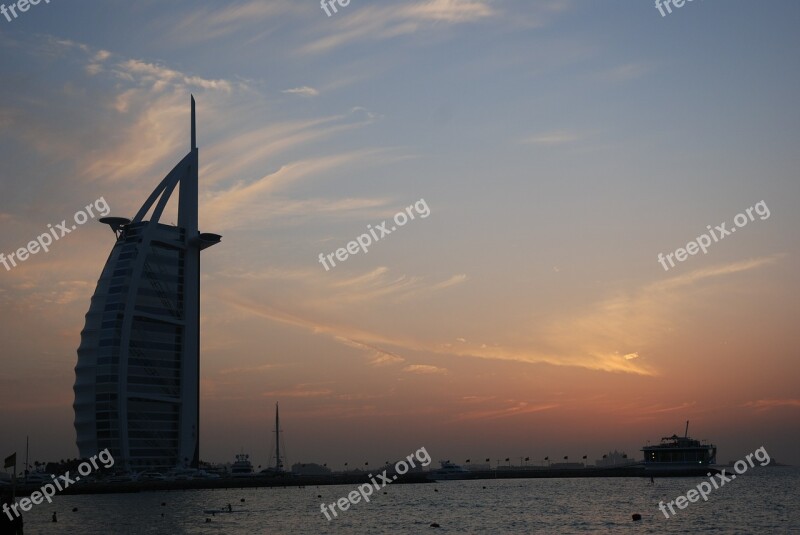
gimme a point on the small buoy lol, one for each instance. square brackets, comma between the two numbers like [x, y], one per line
[74, 509]
[163, 504]
[435, 525]
[636, 516]
[385, 492]
[484, 487]
[242, 500]
[435, 490]
[319, 495]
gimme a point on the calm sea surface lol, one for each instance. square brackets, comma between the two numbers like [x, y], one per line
[764, 500]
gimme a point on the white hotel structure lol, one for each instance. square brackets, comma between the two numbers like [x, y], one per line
[137, 377]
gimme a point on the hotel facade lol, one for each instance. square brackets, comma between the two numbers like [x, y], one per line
[137, 377]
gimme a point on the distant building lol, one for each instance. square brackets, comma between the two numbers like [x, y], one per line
[310, 469]
[614, 458]
[137, 388]
[570, 466]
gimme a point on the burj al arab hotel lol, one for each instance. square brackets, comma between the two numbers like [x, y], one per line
[137, 388]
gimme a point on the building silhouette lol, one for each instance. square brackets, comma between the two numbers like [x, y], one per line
[137, 377]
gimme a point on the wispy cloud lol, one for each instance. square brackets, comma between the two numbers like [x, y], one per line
[202, 24]
[375, 22]
[514, 409]
[355, 337]
[642, 410]
[552, 138]
[766, 404]
[248, 369]
[159, 76]
[425, 369]
[452, 11]
[379, 357]
[613, 334]
[257, 147]
[146, 114]
[257, 201]
[380, 285]
[305, 91]
[150, 108]
[299, 391]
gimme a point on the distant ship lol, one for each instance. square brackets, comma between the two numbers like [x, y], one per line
[679, 453]
[242, 467]
[449, 471]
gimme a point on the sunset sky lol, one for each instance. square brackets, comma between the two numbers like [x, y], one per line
[560, 146]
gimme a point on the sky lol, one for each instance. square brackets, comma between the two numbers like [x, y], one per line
[560, 146]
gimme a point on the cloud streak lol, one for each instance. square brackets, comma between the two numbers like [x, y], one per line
[767, 404]
[376, 22]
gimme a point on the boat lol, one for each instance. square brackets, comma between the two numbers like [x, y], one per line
[679, 453]
[122, 477]
[36, 478]
[182, 474]
[449, 470]
[152, 475]
[242, 467]
[204, 474]
[277, 469]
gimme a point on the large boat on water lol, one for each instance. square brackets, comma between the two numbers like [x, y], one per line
[679, 453]
[242, 467]
[449, 471]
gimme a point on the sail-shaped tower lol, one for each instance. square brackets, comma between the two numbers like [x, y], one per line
[137, 388]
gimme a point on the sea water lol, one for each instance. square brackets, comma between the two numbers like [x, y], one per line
[760, 501]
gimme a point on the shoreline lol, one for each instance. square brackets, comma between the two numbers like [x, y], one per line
[356, 479]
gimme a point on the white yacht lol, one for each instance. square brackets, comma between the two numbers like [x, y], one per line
[449, 471]
[678, 453]
[242, 467]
